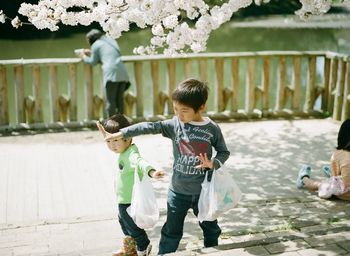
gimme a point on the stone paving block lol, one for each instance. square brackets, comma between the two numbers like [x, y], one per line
[287, 246]
[52, 254]
[289, 254]
[250, 237]
[19, 230]
[6, 238]
[329, 229]
[62, 246]
[345, 245]
[286, 211]
[285, 233]
[323, 240]
[300, 223]
[274, 221]
[225, 240]
[52, 227]
[6, 252]
[344, 223]
[249, 243]
[183, 253]
[315, 229]
[30, 249]
[255, 250]
[329, 250]
[14, 243]
[309, 198]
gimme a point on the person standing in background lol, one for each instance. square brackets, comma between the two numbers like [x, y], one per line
[105, 50]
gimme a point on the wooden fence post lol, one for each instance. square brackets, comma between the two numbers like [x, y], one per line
[311, 85]
[19, 83]
[346, 101]
[339, 93]
[53, 89]
[203, 69]
[139, 88]
[326, 80]
[155, 81]
[187, 68]
[281, 84]
[219, 70]
[234, 83]
[171, 74]
[38, 114]
[88, 82]
[72, 84]
[4, 108]
[250, 86]
[296, 83]
[333, 83]
[266, 84]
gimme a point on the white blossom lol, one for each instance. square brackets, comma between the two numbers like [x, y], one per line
[313, 7]
[169, 19]
[16, 23]
[259, 2]
[158, 30]
[170, 22]
[197, 47]
[2, 17]
[157, 41]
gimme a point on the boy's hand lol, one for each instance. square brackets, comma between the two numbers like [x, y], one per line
[156, 174]
[107, 135]
[101, 129]
[205, 162]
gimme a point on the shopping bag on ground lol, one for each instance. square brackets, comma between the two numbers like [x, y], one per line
[143, 209]
[218, 195]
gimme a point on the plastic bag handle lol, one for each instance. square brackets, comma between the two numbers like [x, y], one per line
[220, 164]
[137, 176]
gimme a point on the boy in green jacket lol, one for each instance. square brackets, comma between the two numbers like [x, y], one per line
[129, 159]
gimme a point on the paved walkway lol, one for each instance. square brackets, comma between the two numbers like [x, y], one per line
[56, 193]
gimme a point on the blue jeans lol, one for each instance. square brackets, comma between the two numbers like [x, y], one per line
[172, 230]
[129, 228]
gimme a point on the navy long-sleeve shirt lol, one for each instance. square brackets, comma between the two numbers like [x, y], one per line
[189, 140]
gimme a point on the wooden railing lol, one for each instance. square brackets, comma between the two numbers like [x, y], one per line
[243, 85]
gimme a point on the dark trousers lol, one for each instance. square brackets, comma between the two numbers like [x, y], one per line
[172, 230]
[129, 228]
[115, 97]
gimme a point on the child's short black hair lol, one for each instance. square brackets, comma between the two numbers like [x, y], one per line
[344, 136]
[192, 93]
[115, 123]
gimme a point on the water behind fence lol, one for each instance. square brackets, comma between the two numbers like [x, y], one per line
[57, 93]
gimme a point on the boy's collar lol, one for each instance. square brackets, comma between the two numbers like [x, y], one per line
[206, 120]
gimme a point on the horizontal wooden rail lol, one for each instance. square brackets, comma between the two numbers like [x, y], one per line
[44, 93]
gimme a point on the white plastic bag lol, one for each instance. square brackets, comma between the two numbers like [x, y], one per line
[218, 195]
[143, 209]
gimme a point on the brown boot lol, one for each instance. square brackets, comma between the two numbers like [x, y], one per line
[129, 248]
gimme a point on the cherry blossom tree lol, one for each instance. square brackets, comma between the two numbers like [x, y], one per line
[177, 26]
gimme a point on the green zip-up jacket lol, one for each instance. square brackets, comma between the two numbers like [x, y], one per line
[128, 161]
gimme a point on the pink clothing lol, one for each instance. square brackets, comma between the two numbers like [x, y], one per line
[340, 162]
[334, 185]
